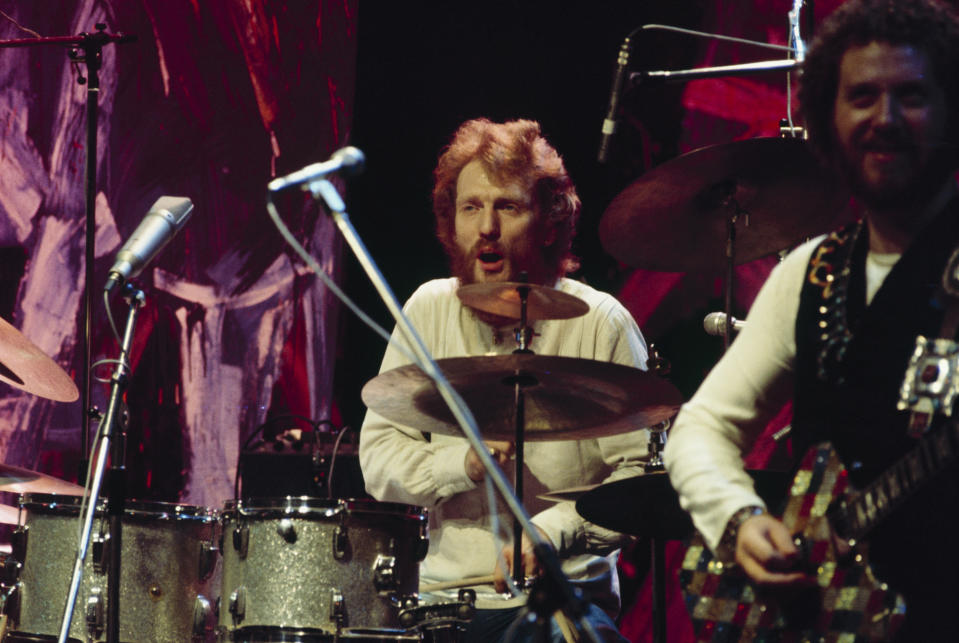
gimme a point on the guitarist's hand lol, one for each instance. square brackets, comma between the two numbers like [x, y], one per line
[765, 551]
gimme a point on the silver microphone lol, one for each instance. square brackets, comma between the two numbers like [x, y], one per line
[160, 224]
[347, 160]
[715, 324]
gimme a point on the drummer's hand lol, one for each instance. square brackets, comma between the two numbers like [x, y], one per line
[531, 565]
[501, 452]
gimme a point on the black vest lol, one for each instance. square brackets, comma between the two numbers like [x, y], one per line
[850, 362]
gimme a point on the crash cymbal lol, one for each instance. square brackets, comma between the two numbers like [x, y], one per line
[24, 366]
[674, 217]
[566, 398]
[647, 505]
[503, 299]
[20, 480]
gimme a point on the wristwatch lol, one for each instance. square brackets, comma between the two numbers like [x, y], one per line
[726, 550]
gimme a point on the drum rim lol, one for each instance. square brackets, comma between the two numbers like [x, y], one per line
[294, 506]
[55, 503]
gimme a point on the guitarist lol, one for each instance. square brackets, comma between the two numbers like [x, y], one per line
[835, 325]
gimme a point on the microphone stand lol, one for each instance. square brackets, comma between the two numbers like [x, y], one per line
[552, 592]
[113, 443]
[91, 45]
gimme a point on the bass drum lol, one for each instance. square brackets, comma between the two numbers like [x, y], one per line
[168, 559]
[310, 568]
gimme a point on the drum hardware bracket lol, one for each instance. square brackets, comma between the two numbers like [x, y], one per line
[207, 560]
[94, 612]
[18, 542]
[337, 609]
[201, 615]
[100, 551]
[238, 604]
[384, 574]
[340, 542]
[10, 600]
[241, 540]
[287, 530]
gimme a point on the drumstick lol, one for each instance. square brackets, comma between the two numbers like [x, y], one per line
[456, 584]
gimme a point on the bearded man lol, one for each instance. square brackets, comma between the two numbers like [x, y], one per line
[504, 205]
[835, 325]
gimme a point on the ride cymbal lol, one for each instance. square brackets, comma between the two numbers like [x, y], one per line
[24, 366]
[566, 398]
[675, 217]
[503, 299]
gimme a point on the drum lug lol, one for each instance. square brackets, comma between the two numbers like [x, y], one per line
[238, 604]
[340, 542]
[202, 612]
[18, 542]
[241, 540]
[10, 601]
[337, 608]
[100, 550]
[94, 612]
[286, 530]
[384, 574]
[208, 554]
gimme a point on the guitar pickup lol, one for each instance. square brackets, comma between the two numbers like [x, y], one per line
[931, 382]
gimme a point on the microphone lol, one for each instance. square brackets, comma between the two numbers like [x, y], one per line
[619, 80]
[164, 220]
[715, 324]
[347, 160]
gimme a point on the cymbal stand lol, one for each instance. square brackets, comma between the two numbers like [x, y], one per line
[730, 203]
[562, 595]
[113, 442]
[91, 45]
[524, 334]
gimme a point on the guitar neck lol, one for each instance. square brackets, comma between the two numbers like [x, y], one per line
[858, 513]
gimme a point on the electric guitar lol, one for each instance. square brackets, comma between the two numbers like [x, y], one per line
[847, 602]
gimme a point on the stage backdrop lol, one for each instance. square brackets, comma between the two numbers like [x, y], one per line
[211, 101]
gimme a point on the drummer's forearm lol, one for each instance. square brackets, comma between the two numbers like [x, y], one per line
[399, 468]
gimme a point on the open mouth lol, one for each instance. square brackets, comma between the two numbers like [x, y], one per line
[490, 260]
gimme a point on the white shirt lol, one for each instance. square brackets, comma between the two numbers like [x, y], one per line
[739, 397]
[399, 465]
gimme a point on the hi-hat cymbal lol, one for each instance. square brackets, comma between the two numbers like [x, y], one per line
[647, 505]
[503, 298]
[20, 480]
[566, 398]
[24, 366]
[675, 216]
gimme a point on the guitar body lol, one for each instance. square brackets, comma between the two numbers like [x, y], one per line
[847, 604]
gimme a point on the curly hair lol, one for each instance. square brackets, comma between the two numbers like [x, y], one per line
[928, 25]
[510, 151]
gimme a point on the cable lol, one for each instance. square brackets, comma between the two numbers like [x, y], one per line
[318, 270]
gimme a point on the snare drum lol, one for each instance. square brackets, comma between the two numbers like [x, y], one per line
[309, 568]
[168, 558]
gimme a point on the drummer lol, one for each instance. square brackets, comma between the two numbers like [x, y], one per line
[504, 205]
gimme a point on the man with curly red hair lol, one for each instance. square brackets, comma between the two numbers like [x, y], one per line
[505, 206]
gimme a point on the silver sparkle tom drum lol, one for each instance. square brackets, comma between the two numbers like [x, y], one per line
[317, 566]
[168, 557]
